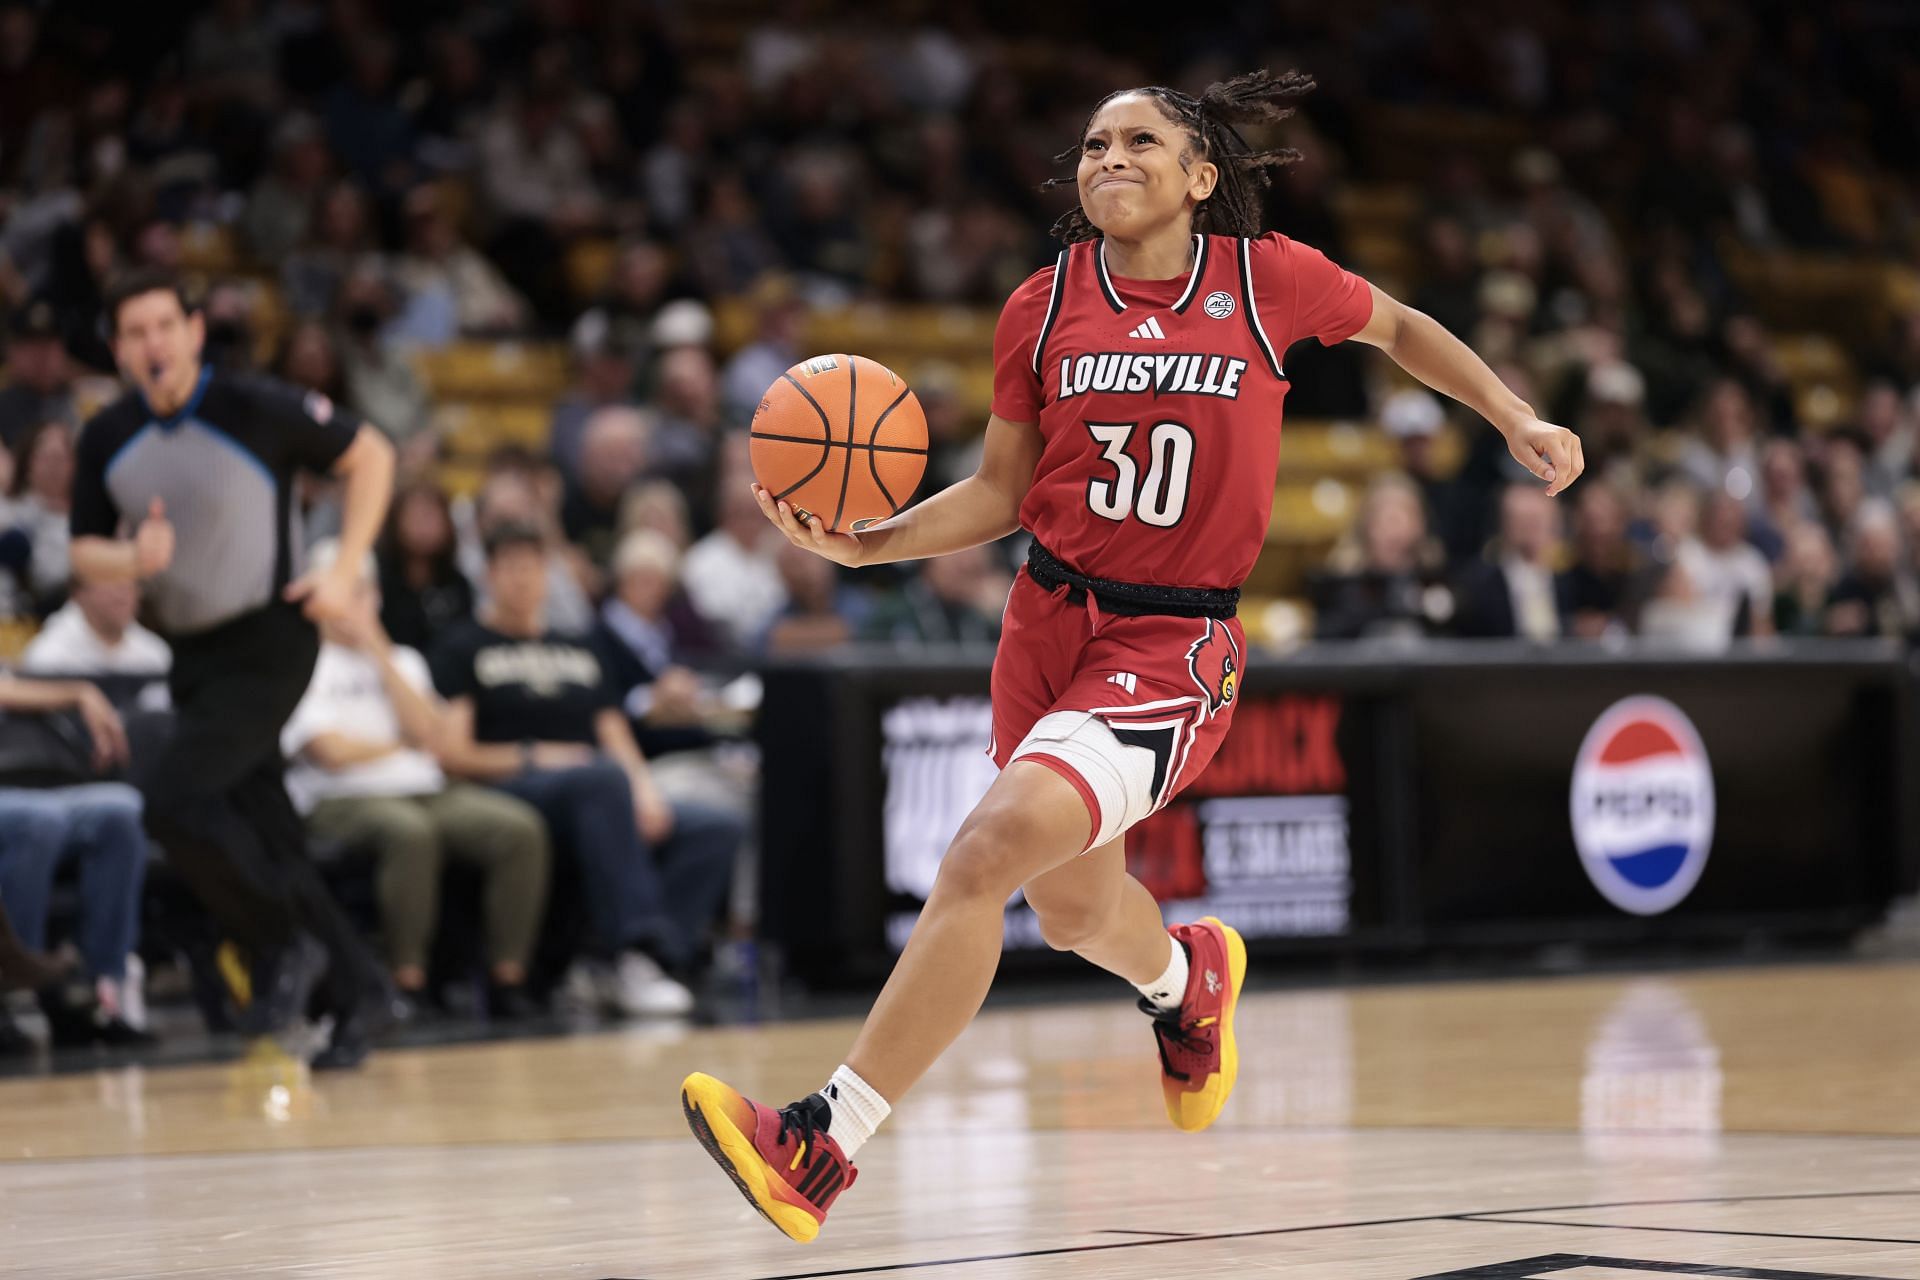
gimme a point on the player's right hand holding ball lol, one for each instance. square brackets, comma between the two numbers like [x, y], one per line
[841, 548]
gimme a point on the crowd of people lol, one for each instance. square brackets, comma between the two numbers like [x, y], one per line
[400, 180]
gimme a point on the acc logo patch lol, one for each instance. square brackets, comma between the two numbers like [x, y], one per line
[1219, 305]
[1214, 661]
[1642, 805]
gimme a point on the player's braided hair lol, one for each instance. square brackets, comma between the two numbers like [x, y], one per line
[1212, 123]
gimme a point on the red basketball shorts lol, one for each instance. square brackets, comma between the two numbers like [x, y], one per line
[1128, 709]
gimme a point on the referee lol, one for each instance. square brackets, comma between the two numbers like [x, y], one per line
[186, 484]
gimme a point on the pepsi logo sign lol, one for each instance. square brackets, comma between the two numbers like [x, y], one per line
[1643, 805]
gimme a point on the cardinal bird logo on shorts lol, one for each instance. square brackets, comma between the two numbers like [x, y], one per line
[1214, 661]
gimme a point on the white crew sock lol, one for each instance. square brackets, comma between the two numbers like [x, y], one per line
[1167, 991]
[857, 1109]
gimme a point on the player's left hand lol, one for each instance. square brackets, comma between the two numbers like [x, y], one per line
[1550, 452]
[325, 595]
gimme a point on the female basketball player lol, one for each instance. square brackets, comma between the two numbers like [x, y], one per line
[1135, 432]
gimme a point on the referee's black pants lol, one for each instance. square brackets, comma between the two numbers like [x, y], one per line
[216, 796]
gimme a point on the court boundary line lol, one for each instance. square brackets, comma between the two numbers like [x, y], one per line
[1485, 1215]
[1690, 1231]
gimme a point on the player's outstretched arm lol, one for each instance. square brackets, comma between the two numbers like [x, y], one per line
[1422, 346]
[982, 508]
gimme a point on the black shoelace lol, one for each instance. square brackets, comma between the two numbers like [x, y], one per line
[806, 1118]
[1168, 1029]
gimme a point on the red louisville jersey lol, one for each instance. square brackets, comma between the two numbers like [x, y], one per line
[1159, 401]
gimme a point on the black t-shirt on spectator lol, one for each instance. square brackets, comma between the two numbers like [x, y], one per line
[546, 690]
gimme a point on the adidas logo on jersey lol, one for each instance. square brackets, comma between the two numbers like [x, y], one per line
[1125, 679]
[1164, 375]
[1151, 329]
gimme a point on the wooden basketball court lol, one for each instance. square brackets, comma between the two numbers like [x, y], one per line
[1749, 1123]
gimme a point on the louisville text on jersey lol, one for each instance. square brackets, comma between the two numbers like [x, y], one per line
[1164, 374]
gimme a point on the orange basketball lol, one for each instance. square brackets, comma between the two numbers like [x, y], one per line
[842, 438]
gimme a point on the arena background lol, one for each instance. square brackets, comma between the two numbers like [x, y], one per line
[556, 250]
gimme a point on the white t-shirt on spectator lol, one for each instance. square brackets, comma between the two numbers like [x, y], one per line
[346, 697]
[66, 645]
[735, 586]
[1724, 577]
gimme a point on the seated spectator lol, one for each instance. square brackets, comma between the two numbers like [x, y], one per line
[732, 574]
[1843, 483]
[21, 969]
[1511, 594]
[39, 376]
[778, 315]
[59, 742]
[1808, 572]
[1384, 577]
[339, 237]
[1727, 570]
[364, 774]
[822, 611]
[606, 365]
[1593, 590]
[659, 507]
[533, 714]
[95, 633]
[1877, 595]
[422, 591]
[1785, 501]
[1414, 419]
[687, 420]
[380, 382]
[649, 613]
[450, 289]
[37, 505]
[612, 455]
[280, 208]
[516, 494]
[953, 599]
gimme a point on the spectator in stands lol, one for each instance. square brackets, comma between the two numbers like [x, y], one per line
[1886, 424]
[309, 358]
[687, 419]
[1726, 569]
[422, 591]
[59, 742]
[634, 293]
[1751, 357]
[1593, 590]
[1612, 421]
[1725, 456]
[340, 237]
[1384, 578]
[450, 290]
[1809, 571]
[95, 633]
[369, 129]
[1877, 595]
[39, 377]
[513, 494]
[732, 574]
[953, 599]
[380, 381]
[727, 248]
[1843, 484]
[1450, 288]
[659, 506]
[1785, 502]
[616, 448]
[533, 714]
[821, 611]
[537, 186]
[604, 374]
[649, 615]
[1511, 594]
[363, 743]
[281, 206]
[1413, 420]
[38, 503]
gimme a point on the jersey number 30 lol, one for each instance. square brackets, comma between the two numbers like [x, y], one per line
[1161, 498]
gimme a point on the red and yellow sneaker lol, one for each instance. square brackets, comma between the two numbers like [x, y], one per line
[785, 1162]
[1198, 1058]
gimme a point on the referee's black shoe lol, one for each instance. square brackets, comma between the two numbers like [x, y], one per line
[283, 983]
